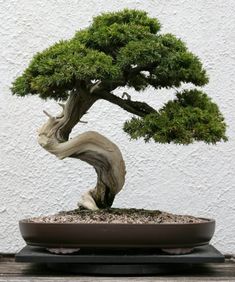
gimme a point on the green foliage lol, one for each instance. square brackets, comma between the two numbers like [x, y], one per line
[55, 71]
[165, 58]
[126, 17]
[190, 117]
[116, 48]
[110, 39]
[125, 49]
[111, 31]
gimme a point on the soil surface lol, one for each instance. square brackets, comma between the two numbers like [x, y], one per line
[113, 215]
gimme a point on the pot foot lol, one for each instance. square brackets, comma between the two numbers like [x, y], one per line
[63, 251]
[177, 251]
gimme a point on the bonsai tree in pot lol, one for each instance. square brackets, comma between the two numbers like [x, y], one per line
[119, 49]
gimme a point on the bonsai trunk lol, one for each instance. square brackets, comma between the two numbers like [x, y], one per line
[90, 147]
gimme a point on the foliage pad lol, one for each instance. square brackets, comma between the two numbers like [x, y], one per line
[125, 49]
[190, 117]
[116, 49]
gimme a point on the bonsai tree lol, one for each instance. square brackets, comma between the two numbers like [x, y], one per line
[119, 49]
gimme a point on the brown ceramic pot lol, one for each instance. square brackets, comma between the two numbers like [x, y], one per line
[78, 235]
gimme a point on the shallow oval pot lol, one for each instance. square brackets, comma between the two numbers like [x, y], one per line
[78, 235]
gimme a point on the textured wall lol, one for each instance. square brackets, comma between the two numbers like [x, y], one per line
[196, 179]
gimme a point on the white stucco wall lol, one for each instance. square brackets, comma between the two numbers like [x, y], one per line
[196, 179]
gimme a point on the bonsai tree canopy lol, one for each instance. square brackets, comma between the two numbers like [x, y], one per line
[119, 49]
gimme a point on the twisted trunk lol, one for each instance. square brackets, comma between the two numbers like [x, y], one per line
[90, 147]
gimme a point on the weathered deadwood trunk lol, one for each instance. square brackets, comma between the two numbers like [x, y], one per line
[90, 147]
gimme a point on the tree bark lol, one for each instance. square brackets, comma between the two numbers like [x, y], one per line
[90, 147]
[140, 109]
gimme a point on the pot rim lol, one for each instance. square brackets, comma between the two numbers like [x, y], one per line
[207, 220]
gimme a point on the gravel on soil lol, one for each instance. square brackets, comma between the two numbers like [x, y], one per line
[117, 216]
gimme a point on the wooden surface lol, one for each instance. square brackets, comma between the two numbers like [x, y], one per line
[18, 272]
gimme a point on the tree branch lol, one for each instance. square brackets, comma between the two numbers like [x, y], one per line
[135, 107]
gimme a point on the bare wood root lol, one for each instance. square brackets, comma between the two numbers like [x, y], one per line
[91, 147]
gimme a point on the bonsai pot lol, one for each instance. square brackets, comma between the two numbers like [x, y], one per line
[106, 235]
